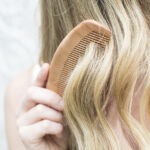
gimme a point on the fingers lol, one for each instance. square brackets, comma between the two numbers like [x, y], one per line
[40, 129]
[37, 95]
[42, 76]
[38, 113]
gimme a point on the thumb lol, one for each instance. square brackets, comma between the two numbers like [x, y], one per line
[42, 76]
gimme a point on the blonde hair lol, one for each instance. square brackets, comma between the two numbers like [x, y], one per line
[116, 72]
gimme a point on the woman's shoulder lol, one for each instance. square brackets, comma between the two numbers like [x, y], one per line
[19, 84]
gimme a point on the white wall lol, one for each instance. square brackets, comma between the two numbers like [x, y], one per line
[19, 45]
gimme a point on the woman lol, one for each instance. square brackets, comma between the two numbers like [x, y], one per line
[104, 104]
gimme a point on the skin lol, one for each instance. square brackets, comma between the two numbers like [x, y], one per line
[34, 114]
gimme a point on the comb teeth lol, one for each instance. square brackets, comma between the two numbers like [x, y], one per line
[77, 52]
[73, 47]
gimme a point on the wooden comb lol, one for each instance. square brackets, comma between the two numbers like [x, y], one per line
[71, 48]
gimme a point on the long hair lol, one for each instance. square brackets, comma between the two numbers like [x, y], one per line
[103, 76]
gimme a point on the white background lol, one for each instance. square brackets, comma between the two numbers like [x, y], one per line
[19, 45]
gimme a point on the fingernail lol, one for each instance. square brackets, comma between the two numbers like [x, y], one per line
[44, 65]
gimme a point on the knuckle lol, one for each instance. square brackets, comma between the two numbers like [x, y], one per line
[53, 128]
[22, 134]
[59, 116]
[54, 97]
[58, 128]
[53, 115]
[48, 113]
[40, 108]
[46, 125]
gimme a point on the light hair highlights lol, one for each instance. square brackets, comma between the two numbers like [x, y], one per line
[115, 73]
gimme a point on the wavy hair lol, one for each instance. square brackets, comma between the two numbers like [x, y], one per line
[103, 78]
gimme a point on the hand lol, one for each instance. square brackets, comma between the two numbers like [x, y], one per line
[39, 119]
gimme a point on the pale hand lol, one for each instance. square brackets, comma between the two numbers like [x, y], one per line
[39, 117]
